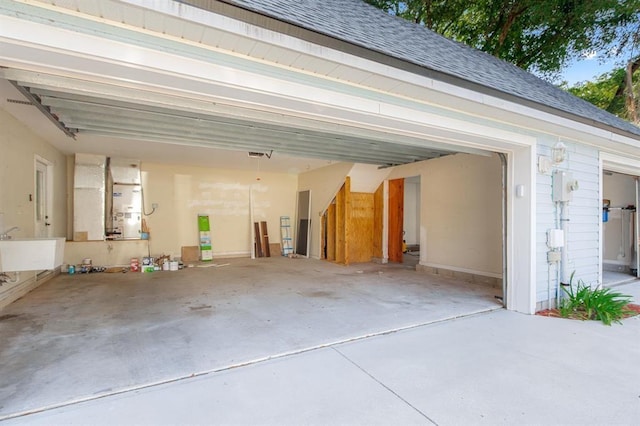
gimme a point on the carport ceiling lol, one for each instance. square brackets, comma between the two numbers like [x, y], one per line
[86, 114]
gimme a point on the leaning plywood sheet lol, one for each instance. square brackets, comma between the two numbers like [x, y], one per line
[264, 239]
[258, 239]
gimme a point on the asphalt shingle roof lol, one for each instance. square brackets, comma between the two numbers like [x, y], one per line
[358, 23]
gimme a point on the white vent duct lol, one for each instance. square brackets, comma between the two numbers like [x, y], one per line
[125, 171]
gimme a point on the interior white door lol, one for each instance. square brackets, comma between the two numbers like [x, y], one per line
[42, 201]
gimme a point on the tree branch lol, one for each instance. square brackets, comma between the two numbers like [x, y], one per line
[630, 99]
[632, 67]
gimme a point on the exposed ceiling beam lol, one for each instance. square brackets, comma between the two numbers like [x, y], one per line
[122, 119]
[35, 101]
[102, 92]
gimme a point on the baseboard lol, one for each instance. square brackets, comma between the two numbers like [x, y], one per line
[24, 287]
[463, 275]
[616, 267]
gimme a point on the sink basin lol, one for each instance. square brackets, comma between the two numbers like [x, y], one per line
[31, 254]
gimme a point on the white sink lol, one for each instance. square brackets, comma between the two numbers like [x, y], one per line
[31, 254]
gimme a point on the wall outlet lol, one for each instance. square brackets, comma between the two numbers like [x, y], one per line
[154, 205]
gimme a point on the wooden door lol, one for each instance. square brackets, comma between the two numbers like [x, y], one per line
[396, 219]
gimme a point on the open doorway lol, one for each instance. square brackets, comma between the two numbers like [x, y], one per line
[404, 221]
[411, 222]
[619, 228]
[304, 223]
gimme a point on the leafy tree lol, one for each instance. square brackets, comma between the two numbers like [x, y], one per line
[602, 91]
[537, 35]
[617, 91]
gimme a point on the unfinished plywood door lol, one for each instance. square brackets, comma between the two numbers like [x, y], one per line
[378, 221]
[396, 219]
[361, 225]
[331, 232]
[304, 223]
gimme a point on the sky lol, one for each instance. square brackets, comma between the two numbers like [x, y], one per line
[586, 69]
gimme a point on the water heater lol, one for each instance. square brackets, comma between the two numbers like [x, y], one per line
[127, 211]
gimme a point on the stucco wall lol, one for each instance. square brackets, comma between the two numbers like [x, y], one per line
[19, 148]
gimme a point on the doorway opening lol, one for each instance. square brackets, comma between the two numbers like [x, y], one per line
[43, 201]
[404, 221]
[303, 236]
[619, 228]
[411, 221]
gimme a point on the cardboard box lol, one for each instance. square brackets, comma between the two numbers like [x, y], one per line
[80, 236]
[190, 254]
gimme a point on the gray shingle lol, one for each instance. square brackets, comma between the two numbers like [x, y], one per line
[356, 22]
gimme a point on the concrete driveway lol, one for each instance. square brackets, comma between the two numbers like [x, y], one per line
[492, 368]
[91, 336]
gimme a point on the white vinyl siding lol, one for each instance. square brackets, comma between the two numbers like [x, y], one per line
[583, 238]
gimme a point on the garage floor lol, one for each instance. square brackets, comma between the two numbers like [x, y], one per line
[84, 336]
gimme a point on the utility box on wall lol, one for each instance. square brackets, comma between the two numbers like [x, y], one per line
[563, 186]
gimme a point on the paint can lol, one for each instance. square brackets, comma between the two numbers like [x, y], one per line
[173, 266]
[165, 265]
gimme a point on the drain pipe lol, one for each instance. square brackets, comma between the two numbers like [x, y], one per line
[558, 270]
[563, 187]
[564, 260]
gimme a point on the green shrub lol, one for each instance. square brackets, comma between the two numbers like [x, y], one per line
[586, 303]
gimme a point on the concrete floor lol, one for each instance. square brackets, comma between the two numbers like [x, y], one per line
[493, 368]
[83, 337]
[610, 278]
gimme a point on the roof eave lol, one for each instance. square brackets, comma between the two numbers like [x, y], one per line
[259, 19]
